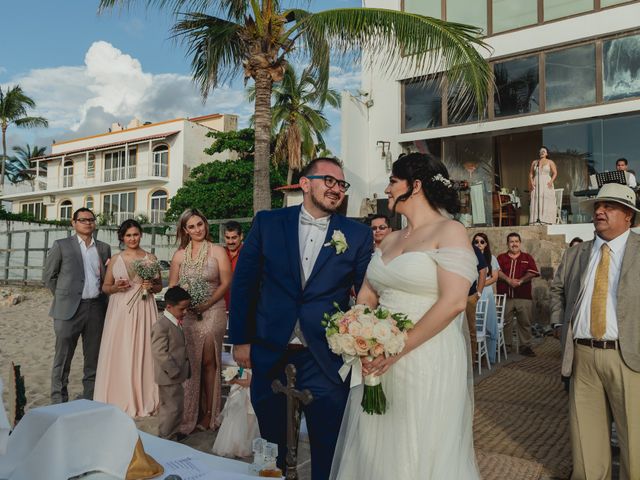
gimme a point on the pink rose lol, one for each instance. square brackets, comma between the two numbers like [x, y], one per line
[362, 346]
[377, 350]
[342, 328]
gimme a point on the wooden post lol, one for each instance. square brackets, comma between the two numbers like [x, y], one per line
[294, 399]
[25, 271]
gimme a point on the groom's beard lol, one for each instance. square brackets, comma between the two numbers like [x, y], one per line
[326, 208]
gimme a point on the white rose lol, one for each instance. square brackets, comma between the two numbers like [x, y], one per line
[355, 328]
[367, 327]
[338, 241]
[347, 344]
[334, 344]
[395, 344]
[229, 373]
[382, 332]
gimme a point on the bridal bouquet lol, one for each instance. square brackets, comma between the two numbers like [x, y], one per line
[146, 269]
[366, 332]
[198, 290]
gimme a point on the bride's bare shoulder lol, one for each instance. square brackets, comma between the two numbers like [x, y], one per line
[453, 234]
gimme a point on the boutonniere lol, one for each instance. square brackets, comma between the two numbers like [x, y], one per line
[338, 241]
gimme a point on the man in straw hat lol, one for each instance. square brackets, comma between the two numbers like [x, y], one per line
[594, 295]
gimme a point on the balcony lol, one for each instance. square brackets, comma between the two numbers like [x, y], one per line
[117, 174]
[26, 186]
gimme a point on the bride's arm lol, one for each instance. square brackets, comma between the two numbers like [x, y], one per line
[367, 295]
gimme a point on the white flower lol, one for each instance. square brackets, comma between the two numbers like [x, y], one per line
[334, 344]
[230, 373]
[367, 326]
[338, 241]
[395, 344]
[355, 328]
[439, 178]
[347, 344]
[382, 332]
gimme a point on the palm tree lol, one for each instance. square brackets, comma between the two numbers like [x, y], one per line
[298, 122]
[17, 165]
[13, 110]
[257, 37]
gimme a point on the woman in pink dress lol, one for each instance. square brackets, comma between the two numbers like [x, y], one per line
[204, 326]
[124, 377]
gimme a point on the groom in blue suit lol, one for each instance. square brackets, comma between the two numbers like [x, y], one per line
[292, 267]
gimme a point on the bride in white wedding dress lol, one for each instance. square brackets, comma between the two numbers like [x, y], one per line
[425, 271]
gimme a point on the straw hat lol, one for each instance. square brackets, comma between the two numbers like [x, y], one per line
[613, 192]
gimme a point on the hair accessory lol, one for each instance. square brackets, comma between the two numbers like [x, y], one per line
[439, 178]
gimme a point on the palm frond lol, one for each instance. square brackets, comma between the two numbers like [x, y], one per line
[215, 48]
[31, 122]
[232, 9]
[408, 45]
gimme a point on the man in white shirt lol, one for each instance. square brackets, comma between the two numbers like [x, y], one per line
[594, 298]
[622, 164]
[74, 271]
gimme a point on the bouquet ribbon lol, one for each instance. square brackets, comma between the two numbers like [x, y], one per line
[351, 364]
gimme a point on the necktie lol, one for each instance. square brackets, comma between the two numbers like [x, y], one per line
[599, 296]
[321, 223]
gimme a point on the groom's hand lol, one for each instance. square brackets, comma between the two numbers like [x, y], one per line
[242, 355]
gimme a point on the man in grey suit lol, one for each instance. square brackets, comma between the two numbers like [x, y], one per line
[594, 298]
[74, 271]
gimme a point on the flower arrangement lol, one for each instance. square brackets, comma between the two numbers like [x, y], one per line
[230, 373]
[146, 269]
[198, 290]
[366, 332]
[338, 241]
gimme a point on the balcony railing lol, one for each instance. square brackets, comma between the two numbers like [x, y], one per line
[67, 181]
[116, 174]
[157, 216]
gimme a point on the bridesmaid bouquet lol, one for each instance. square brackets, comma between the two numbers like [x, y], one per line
[146, 269]
[198, 290]
[366, 332]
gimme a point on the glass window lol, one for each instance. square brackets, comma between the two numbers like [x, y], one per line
[608, 3]
[620, 141]
[516, 87]
[158, 206]
[621, 68]
[37, 209]
[510, 14]
[458, 112]
[118, 207]
[161, 161]
[428, 8]
[471, 13]
[67, 174]
[422, 105]
[570, 77]
[91, 165]
[66, 210]
[88, 202]
[563, 8]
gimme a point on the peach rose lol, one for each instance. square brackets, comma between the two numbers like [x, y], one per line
[362, 346]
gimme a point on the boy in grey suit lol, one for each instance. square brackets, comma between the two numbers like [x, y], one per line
[74, 271]
[171, 364]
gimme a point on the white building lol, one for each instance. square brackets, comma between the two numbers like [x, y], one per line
[567, 75]
[119, 174]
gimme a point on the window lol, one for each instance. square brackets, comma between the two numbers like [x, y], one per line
[563, 8]
[422, 105]
[66, 210]
[516, 89]
[457, 112]
[621, 68]
[118, 167]
[608, 3]
[37, 209]
[158, 206]
[510, 14]
[88, 202]
[428, 8]
[67, 174]
[161, 161]
[91, 165]
[570, 77]
[118, 207]
[471, 13]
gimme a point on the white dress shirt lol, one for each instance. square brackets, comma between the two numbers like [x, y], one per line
[582, 326]
[631, 180]
[172, 318]
[91, 263]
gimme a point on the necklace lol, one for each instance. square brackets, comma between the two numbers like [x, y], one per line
[406, 235]
[197, 264]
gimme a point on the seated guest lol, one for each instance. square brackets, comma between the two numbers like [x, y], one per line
[622, 164]
[381, 228]
[171, 363]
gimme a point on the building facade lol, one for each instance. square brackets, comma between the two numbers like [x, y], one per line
[567, 76]
[120, 174]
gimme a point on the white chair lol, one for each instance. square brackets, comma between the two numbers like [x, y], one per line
[227, 354]
[559, 193]
[501, 301]
[481, 333]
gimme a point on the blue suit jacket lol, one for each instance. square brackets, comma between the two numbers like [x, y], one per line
[267, 295]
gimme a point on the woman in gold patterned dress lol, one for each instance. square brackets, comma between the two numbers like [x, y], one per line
[204, 326]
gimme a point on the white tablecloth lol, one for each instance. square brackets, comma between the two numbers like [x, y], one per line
[5, 428]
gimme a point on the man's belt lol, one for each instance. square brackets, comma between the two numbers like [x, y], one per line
[604, 344]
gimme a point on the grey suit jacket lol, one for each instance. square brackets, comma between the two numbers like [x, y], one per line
[64, 275]
[567, 290]
[170, 361]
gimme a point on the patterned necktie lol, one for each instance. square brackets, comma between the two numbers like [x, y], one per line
[321, 223]
[600, 292]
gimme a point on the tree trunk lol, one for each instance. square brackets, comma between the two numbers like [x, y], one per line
[261, 183]
[4, 154]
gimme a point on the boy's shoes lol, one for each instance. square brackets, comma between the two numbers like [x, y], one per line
[526, 351]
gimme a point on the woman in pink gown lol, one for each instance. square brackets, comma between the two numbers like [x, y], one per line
[204, 326]
[124, 377]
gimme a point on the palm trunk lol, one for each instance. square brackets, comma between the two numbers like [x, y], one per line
[4, 154]
[261, 183]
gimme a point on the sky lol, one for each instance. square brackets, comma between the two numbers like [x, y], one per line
[86, 71]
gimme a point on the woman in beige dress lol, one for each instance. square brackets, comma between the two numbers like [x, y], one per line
[542, 174]
[125, 367]
[205, 325]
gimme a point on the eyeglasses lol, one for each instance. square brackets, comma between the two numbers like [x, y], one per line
[379, 227]
[86, 220]
[331, 182]
[479, 241]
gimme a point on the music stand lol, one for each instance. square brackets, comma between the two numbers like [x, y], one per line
[615, 176]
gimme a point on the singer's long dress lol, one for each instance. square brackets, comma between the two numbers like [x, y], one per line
[543, 201]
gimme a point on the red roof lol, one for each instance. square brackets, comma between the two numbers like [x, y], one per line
[106, 145]
[295, 186]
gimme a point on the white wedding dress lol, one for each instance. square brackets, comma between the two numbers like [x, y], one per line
[426, 432]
